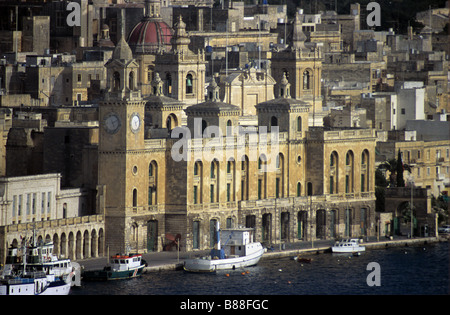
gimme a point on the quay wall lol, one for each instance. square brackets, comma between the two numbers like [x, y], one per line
[315, 250]
[368, 245]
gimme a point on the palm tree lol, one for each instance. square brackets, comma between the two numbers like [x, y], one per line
[391, 167]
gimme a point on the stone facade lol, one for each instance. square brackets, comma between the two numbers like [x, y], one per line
[162, 190]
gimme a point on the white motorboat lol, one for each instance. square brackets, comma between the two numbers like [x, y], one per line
[33, 283]
[239, 251]
[348, 246]
[36, 271]
[40, 258]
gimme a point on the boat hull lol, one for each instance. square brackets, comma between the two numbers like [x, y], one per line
[106, 275]
[58, 288]
[349, 249]
[211, 265]
[29, 288]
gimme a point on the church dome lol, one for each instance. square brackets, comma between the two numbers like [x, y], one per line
[149, 36]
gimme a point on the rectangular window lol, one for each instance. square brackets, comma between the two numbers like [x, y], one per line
[362, 183]
[196, 235]
[195, 195]
[28, 203]
[228, 192]
[259, 188]
[14, 206]
[19, 206]
[43, 203]
[49, 198]
[331, 185]
[33, 204]
[277, 188]
[150, 194]
[347, 181]
[211, 193]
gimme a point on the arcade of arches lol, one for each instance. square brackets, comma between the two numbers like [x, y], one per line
[74, 241]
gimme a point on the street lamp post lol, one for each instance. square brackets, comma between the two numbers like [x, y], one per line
[411, 181]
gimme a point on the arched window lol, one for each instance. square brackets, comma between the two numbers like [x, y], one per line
[245, 177]
[273, 122]
[171, 122]
[169, 83]
[134, 198]
[262, 162]
[198, 182]
[310, 189]
[349, 171]
[196, 169]
[299, 123]
[365, 171]
[299, 189]
[131, 81]
[213, 169]
[152, 183]
[333, 158]
[116, 81]
[306, 80]
[189, 84]
[229, 130]
[334, 172]
[204, 125]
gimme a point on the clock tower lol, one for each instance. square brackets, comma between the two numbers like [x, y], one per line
[121, 147]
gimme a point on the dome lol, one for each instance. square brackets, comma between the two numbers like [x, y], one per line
[149, 36]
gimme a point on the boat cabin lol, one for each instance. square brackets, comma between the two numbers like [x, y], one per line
[125, 262]
[40, 254]
[348, 242]
[237, 242]
[236, 236]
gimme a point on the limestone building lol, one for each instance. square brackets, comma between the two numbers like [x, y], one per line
[302, 66]
[38, 203]
[288, 181]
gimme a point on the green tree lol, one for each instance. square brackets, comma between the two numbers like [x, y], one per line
[391, 167]
[440, 206]
[400, 180]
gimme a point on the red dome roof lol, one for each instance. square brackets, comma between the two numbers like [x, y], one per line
[149, 35]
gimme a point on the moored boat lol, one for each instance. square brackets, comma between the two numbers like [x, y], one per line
[120, 267]
[348, 246]
[33, 283]
[239, 251]
[40, 257]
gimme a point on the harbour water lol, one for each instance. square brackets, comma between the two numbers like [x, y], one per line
[405, 270]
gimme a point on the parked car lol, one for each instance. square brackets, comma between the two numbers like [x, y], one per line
[445, 229]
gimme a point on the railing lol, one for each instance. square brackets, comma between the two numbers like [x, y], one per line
[29, 226]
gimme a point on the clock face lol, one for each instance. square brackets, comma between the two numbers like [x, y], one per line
[135, 122]
[111, 123]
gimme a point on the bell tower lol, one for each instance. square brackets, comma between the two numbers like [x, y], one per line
[121, 147]
[301, 65]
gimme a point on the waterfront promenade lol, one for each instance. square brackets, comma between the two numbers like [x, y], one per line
[174, 261]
